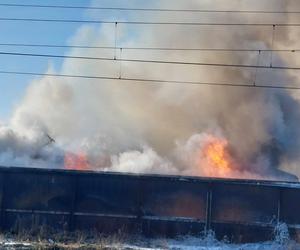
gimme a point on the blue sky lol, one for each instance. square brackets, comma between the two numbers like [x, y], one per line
[14, 87]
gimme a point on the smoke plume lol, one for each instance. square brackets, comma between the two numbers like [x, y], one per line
[162, 128]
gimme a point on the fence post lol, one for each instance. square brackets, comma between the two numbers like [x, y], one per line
[279, 205]
[208, 207]
[3, 214]
[72, 224]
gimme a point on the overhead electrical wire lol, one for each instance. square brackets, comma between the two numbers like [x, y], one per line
[147, 9]
[154, 81]
[149, 61]
[145, 48]
[146, 23]
[144, 80]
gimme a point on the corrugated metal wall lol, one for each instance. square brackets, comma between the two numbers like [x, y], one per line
[244, 211]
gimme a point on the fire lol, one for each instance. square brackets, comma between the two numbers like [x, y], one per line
[76, 161]
[217, 158]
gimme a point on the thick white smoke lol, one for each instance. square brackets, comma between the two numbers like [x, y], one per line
[157, 128]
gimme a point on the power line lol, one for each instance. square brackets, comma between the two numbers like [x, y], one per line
[146, 23]
[148, 9]
[145, 48]
[150, 61]
[150, 80]
[56, 46]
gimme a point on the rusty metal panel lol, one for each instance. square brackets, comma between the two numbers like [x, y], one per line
[107, 224]
[35, 222]
[165, 206]
[2, 208]
[171, 228]
[243, 233]
[295, 233]
[1, 190]
[107, 194]
[290, 206]
[174, 198]
[244, 203]
[38, 191]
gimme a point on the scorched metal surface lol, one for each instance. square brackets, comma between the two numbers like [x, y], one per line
[152, 205]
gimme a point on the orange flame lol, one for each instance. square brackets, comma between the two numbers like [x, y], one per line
[76, 161]
[218, 159]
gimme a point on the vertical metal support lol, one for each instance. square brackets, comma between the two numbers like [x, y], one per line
[140, 202]
[72, 221]
[208, 207]
[116, 40]
[256, 69]
[120, 69]
[272, 45]
[279, 205]
[3, 214]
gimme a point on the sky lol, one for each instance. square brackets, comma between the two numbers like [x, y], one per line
[115, 120]
[13, 87]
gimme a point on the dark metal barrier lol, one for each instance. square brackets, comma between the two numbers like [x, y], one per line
[242, 210]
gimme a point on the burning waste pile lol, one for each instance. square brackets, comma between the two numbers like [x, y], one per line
[181, 129]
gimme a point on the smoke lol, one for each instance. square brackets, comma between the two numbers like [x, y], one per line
[17, 150]
[158, 128]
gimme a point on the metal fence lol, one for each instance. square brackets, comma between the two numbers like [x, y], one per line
[243, 211]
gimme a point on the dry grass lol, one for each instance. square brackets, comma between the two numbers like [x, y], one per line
[45, 238]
